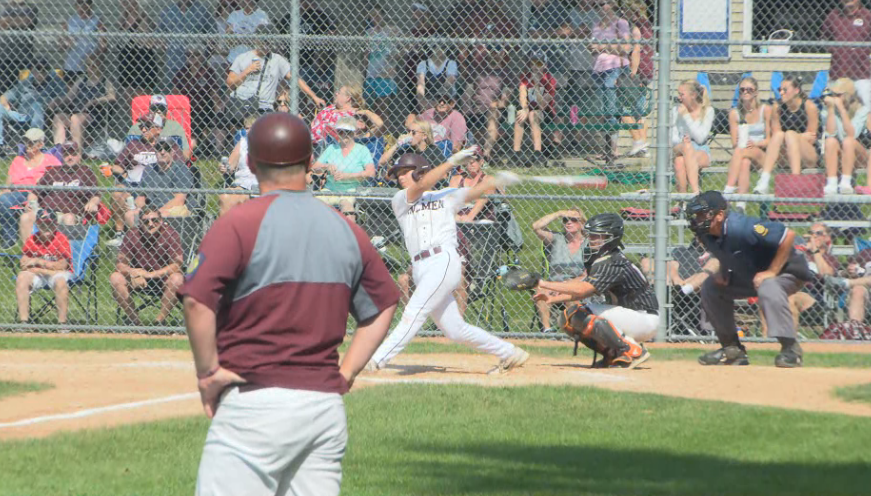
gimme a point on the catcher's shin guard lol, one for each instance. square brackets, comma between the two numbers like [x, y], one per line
[599, 335]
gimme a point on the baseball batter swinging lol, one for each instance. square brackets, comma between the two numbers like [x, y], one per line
[427, 222]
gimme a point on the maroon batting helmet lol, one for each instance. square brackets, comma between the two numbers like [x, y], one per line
[279, 140]
[409, 161]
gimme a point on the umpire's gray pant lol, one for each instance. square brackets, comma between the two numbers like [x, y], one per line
[719, 304]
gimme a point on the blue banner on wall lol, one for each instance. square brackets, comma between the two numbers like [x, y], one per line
[704, 20]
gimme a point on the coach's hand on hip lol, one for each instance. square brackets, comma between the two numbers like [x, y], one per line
[213, 385]
[762, 276]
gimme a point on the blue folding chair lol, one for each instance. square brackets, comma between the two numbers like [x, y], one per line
[446, 147]
[821, 80]
[705, 80]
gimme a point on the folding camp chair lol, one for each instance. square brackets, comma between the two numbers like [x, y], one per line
[725, 80]
[797, 186]
[178, 109]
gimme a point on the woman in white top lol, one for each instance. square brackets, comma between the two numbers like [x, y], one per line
[844, 117]
[243, 178]
[750, 127]
[691, 123]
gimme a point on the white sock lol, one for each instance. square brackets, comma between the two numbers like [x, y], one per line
[730, 189]
[846, 180]
[764, 178]
[831, 181]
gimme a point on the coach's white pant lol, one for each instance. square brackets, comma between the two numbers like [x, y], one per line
[274, 441]
[640, 326]
[435, 279]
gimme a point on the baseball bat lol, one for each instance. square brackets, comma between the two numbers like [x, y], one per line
[579, 181]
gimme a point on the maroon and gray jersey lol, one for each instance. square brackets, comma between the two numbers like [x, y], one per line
[282, 273]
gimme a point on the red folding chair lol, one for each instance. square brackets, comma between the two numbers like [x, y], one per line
[800, 186]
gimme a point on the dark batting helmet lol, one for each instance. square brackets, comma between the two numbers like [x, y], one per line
[702, 209]
[280, 140]
[409, 161]
[608, 225]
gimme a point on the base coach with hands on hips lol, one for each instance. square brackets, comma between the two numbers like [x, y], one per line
[756, 258]
[266, 304]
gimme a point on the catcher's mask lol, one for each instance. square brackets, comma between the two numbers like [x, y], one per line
[702, 209]
[603, 233]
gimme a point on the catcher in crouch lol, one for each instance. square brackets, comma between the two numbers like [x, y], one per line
[615, 331]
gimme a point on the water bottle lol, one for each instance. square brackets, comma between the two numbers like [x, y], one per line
[225, 164]
[573, 115]
[512, 114]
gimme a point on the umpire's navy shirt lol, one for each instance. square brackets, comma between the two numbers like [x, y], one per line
[747, 247]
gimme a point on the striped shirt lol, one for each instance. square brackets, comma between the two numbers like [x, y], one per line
[615, 276]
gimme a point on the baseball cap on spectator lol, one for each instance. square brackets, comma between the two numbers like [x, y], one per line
[158, 101]
[346, 124]
[539, 56]
[34, 134]
[46, 217]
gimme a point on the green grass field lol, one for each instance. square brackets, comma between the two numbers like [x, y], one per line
[10, 388]
[463, 440]
[857, 393]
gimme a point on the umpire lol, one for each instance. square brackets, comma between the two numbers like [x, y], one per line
[266, 304]
[756, 258]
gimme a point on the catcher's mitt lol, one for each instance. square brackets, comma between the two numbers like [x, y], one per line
[520, 279]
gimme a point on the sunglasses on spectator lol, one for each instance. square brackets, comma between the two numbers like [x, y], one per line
[163, 148]
[566, 220]
[157, 108]
[749, 91]
[280, 103]
[151, 220]
[145, 127]
[818, 233]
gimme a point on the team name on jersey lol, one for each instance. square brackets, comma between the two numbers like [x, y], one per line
[430, 205]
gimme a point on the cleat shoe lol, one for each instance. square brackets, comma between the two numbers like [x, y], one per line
[517, 359]
[636, 355]
[371, 366]
[729, 355]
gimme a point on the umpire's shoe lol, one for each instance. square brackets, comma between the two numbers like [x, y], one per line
[728, 355]
[790, 355]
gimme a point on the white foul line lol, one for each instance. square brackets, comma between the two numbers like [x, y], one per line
[96, 411]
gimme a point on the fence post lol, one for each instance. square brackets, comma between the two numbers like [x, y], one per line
[294, 56]
[663, 114]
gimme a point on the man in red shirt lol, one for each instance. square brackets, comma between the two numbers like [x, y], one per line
[70, 206]
[851, 22]
[46, 261]
[149, 260]
[537, 95]
[266, 305]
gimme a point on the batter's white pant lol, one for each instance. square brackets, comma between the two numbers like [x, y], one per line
[274, 441]
[435, 279]
[640, 326]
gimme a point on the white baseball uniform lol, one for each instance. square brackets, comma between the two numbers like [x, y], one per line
[431, 239]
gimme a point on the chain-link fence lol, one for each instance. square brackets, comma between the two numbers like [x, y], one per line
[149, 102]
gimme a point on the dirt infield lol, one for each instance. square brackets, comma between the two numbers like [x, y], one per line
[100, 389]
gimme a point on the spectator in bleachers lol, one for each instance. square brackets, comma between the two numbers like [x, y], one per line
[182, 17]
[169, 128]
[850, 22]
[316, 66]
[856, 285]
[566, 257]
[200, 83]
[130, 165]
[482, 19]
[369, 124]
[795, 126]
[750, 128]
[71, 207]
[536, 93]
[641, 70]
[247, 19]
[423, 25]
[691, 121]
[346, 103]
[844, 118]
[612, 61]
[149, 260]
[26, 102]
[485, 100]
[18, 15]
[419, 140]
[86, 98]
[137, 60]
[83, 22]
[444, 115]
[221, 55]
[346, 164]
[380, 88]
[168, 172]
[25, 169]
[46, 262]
[243, 178]
[436, 77]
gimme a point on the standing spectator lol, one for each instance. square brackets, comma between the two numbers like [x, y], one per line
[78, 27]
[158, 108]
[317, 66]
[444, 115]
[640, 70]
[137, 61]
[346, 103]
[27, 170]
[691, 122]
[423, 26]
[537, 95]
[149, 260]
[220, 58]
[566, 259]
[347, 163]
[850, 23]
[182, 17]
[83, 102]
[485, 100]
[71, 207]
[17, 15]
[612, 61]
[289, 361]
[166, 173]
[46, 260]
[27, 101]
[380, 88]
[246, 20]
[750, 127]
[419, 140]
[795, 125]
[845, 117]
[201, 84]
[437, 75]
